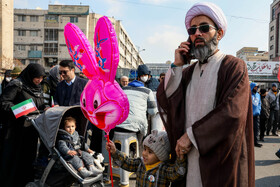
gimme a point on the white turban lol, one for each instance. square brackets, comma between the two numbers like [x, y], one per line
[210, 10]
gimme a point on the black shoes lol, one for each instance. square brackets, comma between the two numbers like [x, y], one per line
[258, 145]
[274, 134]
[278, 153]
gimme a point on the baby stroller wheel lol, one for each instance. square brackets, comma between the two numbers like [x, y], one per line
[32, 184]
[97, 185]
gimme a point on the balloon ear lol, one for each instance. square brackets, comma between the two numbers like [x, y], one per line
[80, 50]
[106, 49]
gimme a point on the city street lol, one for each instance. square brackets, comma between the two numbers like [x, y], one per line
[267, 164]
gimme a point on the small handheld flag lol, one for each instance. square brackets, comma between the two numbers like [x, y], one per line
[24, 108]
[52, 101]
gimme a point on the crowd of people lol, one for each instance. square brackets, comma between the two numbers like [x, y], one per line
[61, 87]
[265, 112]
[209, 110]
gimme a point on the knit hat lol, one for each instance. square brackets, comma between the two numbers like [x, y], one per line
[274, 85]
[158, 142]
[143, 70]
[15, 72]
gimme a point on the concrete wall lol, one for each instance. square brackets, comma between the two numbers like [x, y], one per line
[6, 38]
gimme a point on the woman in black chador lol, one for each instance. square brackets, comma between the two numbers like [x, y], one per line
[18, 151]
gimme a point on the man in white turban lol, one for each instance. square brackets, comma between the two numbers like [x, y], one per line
[207, 107]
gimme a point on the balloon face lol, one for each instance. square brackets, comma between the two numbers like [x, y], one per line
[102, 101]
[101, 104]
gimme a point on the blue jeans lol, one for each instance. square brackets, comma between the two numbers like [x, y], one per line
[256, 128]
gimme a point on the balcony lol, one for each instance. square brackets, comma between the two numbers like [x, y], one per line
[51, 24]
[34, 54]
[51, 54]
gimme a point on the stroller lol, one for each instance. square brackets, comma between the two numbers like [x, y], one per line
[58, 172]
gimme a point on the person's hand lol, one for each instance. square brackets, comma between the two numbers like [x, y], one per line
[182, 54]
[110, 146]
[183, 145]
[55, 105]
[90, 151]
[72, 153]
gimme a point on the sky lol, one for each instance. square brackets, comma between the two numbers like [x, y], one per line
[157, 26]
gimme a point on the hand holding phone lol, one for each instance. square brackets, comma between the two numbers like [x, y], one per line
[184, 53]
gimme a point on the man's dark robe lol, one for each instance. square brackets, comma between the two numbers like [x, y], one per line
[224, 136]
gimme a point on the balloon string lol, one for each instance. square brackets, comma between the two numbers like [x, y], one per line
[111, 173]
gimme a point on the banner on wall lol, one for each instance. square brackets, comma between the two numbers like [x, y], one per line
[262, 67]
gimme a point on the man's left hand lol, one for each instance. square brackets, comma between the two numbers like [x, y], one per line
[183, 145]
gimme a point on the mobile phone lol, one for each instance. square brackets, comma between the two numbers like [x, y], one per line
[190, 54]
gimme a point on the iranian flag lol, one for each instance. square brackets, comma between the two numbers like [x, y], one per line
[24, 108]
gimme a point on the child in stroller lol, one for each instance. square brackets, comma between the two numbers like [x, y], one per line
[70, 146]
[58, 171]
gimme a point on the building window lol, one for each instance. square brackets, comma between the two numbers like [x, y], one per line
[21, 33]
[21, 18]
[270, 57]
[51, 18]
[271, 47]
[51, 34]
[50, 48]
[273, 14]
[21, 47]
[33, 61]
[74, 19]
[33, 48]
[34, 18]
[271, 38]
[272, 28]
[33, 33]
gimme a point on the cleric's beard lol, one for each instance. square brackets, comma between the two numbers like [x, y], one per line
[203, 52]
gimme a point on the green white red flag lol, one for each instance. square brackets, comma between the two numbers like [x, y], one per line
[52, 101]
[24, 108]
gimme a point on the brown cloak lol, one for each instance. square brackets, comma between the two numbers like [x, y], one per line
[225, 135]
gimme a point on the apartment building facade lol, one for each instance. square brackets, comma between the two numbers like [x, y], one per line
[39, 35]
[274, 31]
[252, 54]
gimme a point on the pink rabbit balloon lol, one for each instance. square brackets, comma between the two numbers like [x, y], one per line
[103, 102]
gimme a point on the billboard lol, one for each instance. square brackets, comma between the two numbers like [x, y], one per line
[262, 67]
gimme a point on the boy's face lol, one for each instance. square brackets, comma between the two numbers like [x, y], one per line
[70, 127]
[149, 157]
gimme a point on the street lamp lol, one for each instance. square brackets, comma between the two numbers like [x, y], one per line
[138, 54]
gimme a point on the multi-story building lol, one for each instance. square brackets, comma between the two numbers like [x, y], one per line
[252, 54]
[39, 35]
[274, 32]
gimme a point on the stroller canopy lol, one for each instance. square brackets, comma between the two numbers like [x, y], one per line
[51, 121]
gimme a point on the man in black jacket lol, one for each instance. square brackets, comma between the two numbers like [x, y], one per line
[265, 111]
[68, 91]
[144, 75]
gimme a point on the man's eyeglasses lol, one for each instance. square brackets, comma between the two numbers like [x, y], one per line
[63, 72]
[201, 28]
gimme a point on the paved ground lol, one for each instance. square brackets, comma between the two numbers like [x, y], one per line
[267, 165]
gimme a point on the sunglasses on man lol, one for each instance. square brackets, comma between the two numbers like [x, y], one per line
[201, 28]
[63, 72]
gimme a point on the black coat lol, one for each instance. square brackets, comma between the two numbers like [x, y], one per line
[18, 149]
[78, 87]
[152, 83]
